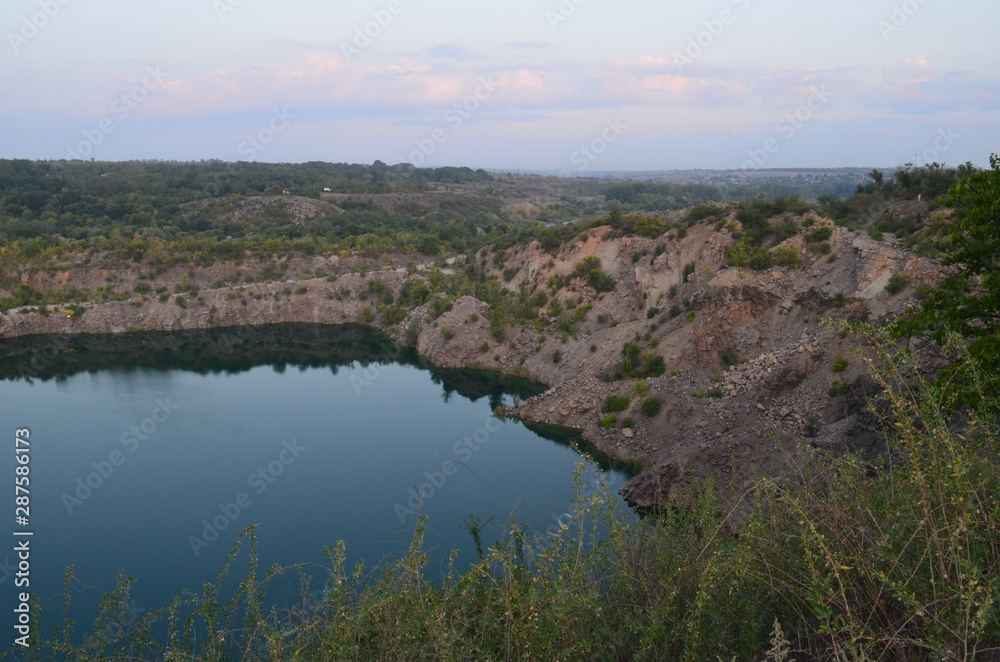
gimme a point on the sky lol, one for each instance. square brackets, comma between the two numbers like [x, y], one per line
[570, 86]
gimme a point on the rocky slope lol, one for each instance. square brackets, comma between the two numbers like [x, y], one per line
[749, 368]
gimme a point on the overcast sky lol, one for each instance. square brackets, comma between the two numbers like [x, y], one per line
[576, 85]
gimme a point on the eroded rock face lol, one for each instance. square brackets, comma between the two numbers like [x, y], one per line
[748, 368]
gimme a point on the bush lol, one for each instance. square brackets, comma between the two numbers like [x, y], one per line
[651, 406]
[615, 403]
[837, 389]
[840, 363]
[641, 387]
[787, 256]
[896, 284]
[819, 235]
[556, 356]
[609, 421]
[628, 422]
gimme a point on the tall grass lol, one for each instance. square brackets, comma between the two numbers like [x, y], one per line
[840, 560]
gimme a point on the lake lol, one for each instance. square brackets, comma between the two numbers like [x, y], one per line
[150, 453]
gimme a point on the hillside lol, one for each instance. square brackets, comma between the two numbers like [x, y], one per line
[747, 367]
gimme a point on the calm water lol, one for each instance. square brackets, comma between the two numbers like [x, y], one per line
[150, 453]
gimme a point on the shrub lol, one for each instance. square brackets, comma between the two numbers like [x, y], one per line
[556, 356]
[609, 421]
[837, 389]
[819, 235]
[628, 422]
[840, 363]
[896, 284]
[688, 270]
[787, 256]
[615, 403]
[651, 406]
[641, 387]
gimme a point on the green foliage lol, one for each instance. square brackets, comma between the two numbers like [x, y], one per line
[728, 358]
[556, 356]
[896, 284]
[609, 422]
[820, 234]
[688, 270]
[744, 254]
[641, 387]
[650, 196]
[787, 256]
[615, 403]
[967, 304]
[837, 389]
[840, 363]
[651, 407]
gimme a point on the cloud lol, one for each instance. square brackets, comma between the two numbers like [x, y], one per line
[915, 87]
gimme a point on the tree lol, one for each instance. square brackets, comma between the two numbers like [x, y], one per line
[877, 178]
[967, 302]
